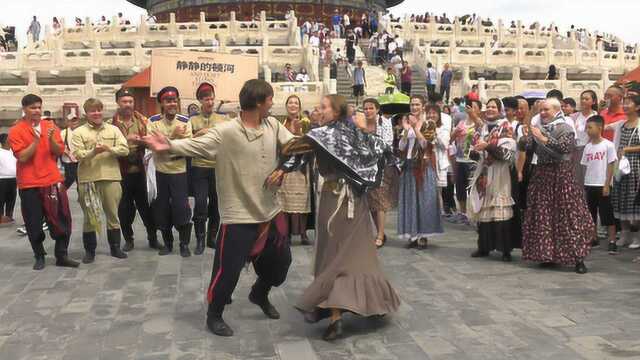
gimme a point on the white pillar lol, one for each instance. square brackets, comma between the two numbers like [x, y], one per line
[326, 78]
[32, 85]
[203, 29]
[482, 91]
[172, 27]
[267, 73]
[90, 90]
[517, 82]
[564, 84]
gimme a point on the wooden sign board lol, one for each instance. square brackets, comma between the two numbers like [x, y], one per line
[186, 70]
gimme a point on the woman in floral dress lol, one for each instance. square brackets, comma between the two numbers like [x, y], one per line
[557, 227]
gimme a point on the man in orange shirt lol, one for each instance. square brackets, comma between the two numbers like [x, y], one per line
[37, 144]
[614, 111]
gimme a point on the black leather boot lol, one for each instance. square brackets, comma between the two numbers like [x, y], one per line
[167, 238]
[128, 243]
[216, 325]
[89, 241]
[113, 236]
[64, 261]
[199, 244]
[259, 295]
[199, 228]
[39, 264]
[185, 237]
[62, 252]
[212, 234]
[152, 237]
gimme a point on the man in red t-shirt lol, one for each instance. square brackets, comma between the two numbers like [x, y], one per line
[37, 144]
[614, 111]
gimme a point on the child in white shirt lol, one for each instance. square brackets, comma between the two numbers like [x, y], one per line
[599, 158]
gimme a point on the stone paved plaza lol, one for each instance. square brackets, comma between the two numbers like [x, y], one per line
[454, 307]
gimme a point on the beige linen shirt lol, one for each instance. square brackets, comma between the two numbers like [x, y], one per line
[245, 158]
[200, 122]
[103, 166]
[170, 164]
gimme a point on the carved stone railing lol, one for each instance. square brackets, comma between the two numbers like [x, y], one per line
[552, 48]
[278, 32]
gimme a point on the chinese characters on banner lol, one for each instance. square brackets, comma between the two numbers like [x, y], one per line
[186, 70]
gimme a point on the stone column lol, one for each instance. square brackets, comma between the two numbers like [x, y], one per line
[519, 48]
[32, 85]
[466, 79]
[482, 91]
[564, 84]
[267, 73]
[203, 29]
[138, 52]
[263, 22]
[58, 54]
[432, 26]
[97, 54]
[143, 28]
[265, 52]
[487, 52]
[517, 83]
[233, 25]
[549, 50]
[326, 78]
[223, 42]
[600, 50]
[172, 27]
[89, 88]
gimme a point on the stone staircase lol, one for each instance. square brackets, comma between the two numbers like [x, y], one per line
[375, 74]
[344, 85]
[418, 82]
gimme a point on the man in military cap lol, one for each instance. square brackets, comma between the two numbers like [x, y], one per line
[171, 206]
[203, 175]
[133, 126]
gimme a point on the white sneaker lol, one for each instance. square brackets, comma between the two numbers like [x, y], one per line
[625, 239]
[636, 241]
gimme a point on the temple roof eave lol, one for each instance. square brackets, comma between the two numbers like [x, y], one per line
[143, 3]
[140, 3]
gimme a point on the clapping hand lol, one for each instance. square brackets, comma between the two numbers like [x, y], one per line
[133, 138]
[360, 121]
[480, 146]
[36, 135]
[537, 133]
[100, 148]
[178, 131]
[405, 123]
[156, 142]
[200, 132]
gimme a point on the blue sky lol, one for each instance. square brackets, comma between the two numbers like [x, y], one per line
[619, 17]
